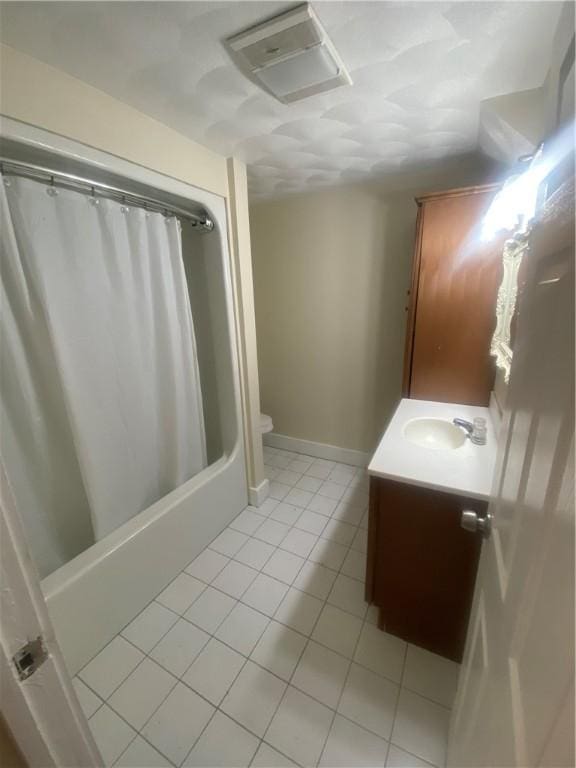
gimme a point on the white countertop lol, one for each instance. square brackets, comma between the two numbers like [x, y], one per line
[466, 470]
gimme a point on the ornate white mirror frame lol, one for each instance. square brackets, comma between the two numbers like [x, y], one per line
[500, 347]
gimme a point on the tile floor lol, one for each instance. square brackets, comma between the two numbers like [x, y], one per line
[262, 652]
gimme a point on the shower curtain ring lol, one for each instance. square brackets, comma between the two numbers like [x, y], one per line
[51, 190]
[93, 199]
[124, 207]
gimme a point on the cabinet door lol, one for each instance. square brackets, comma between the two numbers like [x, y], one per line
[425, 565]
[454, 315]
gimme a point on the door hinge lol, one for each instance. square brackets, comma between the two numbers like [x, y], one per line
[30, 657]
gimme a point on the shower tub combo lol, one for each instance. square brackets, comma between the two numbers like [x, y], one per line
[96, 593]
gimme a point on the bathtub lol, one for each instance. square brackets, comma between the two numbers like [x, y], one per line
[94, 595]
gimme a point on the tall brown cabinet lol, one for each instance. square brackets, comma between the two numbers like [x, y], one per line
[421, 564]
[451, 312]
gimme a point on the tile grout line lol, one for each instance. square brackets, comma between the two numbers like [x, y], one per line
[341, 692]
[154, 599]
[289, 682]
[249, 659]
[212, 635]
[177, 679]
[397, 701]
[306, 645]
[351, 661]
[138, 731]
[308, 638]
[210, 584]
[273, 618]
[339, 570]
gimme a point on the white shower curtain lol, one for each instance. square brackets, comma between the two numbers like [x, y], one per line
[101, 403]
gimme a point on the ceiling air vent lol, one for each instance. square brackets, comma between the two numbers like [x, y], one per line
[290, 56]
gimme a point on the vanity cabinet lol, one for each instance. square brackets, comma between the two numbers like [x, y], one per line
[452, 299]
[421, 564]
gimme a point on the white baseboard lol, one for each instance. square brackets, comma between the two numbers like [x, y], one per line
[319, 450]
[259, 494]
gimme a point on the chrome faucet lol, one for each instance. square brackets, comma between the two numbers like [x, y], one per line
[475, 430]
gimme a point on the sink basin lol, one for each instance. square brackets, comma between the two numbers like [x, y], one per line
[436, 434]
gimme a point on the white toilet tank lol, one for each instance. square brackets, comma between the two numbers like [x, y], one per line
[266, 424]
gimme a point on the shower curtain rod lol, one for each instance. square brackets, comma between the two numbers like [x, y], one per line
[89, 186]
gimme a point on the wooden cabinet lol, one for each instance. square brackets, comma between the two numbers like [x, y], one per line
[421, 565]
[452, 304]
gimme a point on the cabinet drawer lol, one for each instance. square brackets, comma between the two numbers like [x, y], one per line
[422, 565]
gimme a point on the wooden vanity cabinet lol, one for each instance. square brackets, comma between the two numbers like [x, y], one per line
[421, 564]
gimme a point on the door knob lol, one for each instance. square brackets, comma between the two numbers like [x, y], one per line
[471, 521]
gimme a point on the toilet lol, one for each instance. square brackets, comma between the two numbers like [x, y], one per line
[266, 424]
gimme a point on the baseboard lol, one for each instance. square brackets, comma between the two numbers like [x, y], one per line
[319, 450]
[259, 494]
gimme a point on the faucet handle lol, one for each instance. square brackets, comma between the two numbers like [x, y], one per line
[479, 431]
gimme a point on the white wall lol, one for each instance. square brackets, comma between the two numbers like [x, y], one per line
[40, 95]
[562, 40]
[331, 271]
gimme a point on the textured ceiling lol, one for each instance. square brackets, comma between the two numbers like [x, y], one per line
[420, 71]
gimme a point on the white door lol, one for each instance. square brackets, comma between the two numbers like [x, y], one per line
[42, 711]
[515, 702]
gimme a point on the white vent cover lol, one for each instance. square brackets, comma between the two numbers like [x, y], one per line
[290, 56]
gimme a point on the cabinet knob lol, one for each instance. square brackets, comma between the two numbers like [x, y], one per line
[471, 521]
